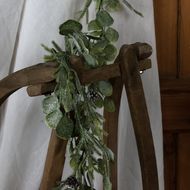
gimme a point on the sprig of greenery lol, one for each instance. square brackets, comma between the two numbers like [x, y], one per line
[71, 110]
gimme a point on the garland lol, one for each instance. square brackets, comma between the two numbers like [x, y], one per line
[71, 110]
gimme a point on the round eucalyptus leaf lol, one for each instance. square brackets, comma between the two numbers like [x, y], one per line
[99, 102]
[112, 5]
[110, 52]
[99, 46]
[65, 128]
[104, 18]
[101, 61]
[109, 105]
[90, 60]
[112, 35]
[69, 27]
[96, 33]
[50, 104]
[105, 88]
[53, 119]
[94, 25]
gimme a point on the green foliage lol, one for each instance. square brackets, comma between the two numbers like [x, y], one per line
[69, 27]
[50, 104]
[104, 18]
[71, 110]
[109, 105]
[94, 25]
[112, 35]
[110, 52]
[65, 128]
[90, 60]
[105, 88]
[53, 118]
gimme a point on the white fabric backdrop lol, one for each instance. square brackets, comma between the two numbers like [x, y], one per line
[23, 135]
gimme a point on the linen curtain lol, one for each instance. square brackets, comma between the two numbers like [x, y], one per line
[24, 25]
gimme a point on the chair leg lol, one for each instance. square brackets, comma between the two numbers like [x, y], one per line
[111, 126]
[141, 123]
[54, 162]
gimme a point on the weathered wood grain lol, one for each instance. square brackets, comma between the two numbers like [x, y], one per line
[183, 164]
[54, 162]
[33, 75]
[141, 123]
[87, 76]
[170, 160]
[184, 41]
[111, 127]
[166, 23]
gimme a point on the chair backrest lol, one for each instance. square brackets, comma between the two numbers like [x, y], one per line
[125, 71]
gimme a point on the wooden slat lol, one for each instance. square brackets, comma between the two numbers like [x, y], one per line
[33, 75]
[184, 39]
[175, 86]
[54, 162]
[138, 109]
[175, 95]
[43, 73]
[175, 107]
[92, 75]
[170, 160]
[176, 126]
[166, 20]
[183, 164]
[111, 126]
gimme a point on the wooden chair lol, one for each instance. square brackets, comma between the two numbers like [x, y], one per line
[125, 71]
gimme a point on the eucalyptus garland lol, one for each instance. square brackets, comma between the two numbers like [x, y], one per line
[71, 110]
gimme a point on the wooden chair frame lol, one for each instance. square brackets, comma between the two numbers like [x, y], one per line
[125, 71]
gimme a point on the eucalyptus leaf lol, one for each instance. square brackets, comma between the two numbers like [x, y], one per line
[112, 35]
[112, 5]
[66, 99]
[69, 27]
[110, 52]
[99, 102]
[105, 88]
[50, 104]
[65, 128]
[53, 118]
[96, 33]
[90, 60]
[99, 46]
[109, 105]
[101, 60]
[104, 18]
[94, 25]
